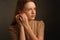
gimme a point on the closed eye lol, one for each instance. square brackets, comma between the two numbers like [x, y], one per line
[34, 8]
[29, 9]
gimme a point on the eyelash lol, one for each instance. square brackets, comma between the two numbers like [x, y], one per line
[35, 8]
[31, 9]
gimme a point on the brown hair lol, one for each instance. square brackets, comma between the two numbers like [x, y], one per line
[20, 6]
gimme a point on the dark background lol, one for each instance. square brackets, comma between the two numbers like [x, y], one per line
[48, 11]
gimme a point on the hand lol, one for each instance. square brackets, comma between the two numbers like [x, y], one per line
[18, 19]
[22, 19]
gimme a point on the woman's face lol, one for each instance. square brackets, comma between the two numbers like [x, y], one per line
[30, 10]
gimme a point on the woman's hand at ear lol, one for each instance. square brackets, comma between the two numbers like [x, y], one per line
[22, 19]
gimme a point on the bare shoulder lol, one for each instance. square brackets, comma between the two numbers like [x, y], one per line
[39, 22]
[11, 28]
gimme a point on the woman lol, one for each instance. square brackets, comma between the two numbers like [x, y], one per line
[24, 27]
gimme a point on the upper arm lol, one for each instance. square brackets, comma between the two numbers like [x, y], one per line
[41, 30]
[12, 33]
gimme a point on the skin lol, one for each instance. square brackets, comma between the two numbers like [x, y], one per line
[30, 10]
[26, 15]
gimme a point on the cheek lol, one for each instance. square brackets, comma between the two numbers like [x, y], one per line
[28, 14]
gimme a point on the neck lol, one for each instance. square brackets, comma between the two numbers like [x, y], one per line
[30, 21]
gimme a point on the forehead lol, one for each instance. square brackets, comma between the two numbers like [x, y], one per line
[29, 5]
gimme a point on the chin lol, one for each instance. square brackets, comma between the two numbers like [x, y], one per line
[31, 19]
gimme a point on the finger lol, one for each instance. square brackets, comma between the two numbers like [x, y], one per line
[21, 17]
[17, 18]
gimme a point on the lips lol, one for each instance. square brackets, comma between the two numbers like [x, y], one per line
[33, 16]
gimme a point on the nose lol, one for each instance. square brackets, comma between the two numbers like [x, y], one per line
[34, 11]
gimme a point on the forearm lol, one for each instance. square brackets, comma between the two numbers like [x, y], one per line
[22, 33]
[30, 32]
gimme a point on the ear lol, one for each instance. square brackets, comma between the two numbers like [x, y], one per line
[20, 11]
